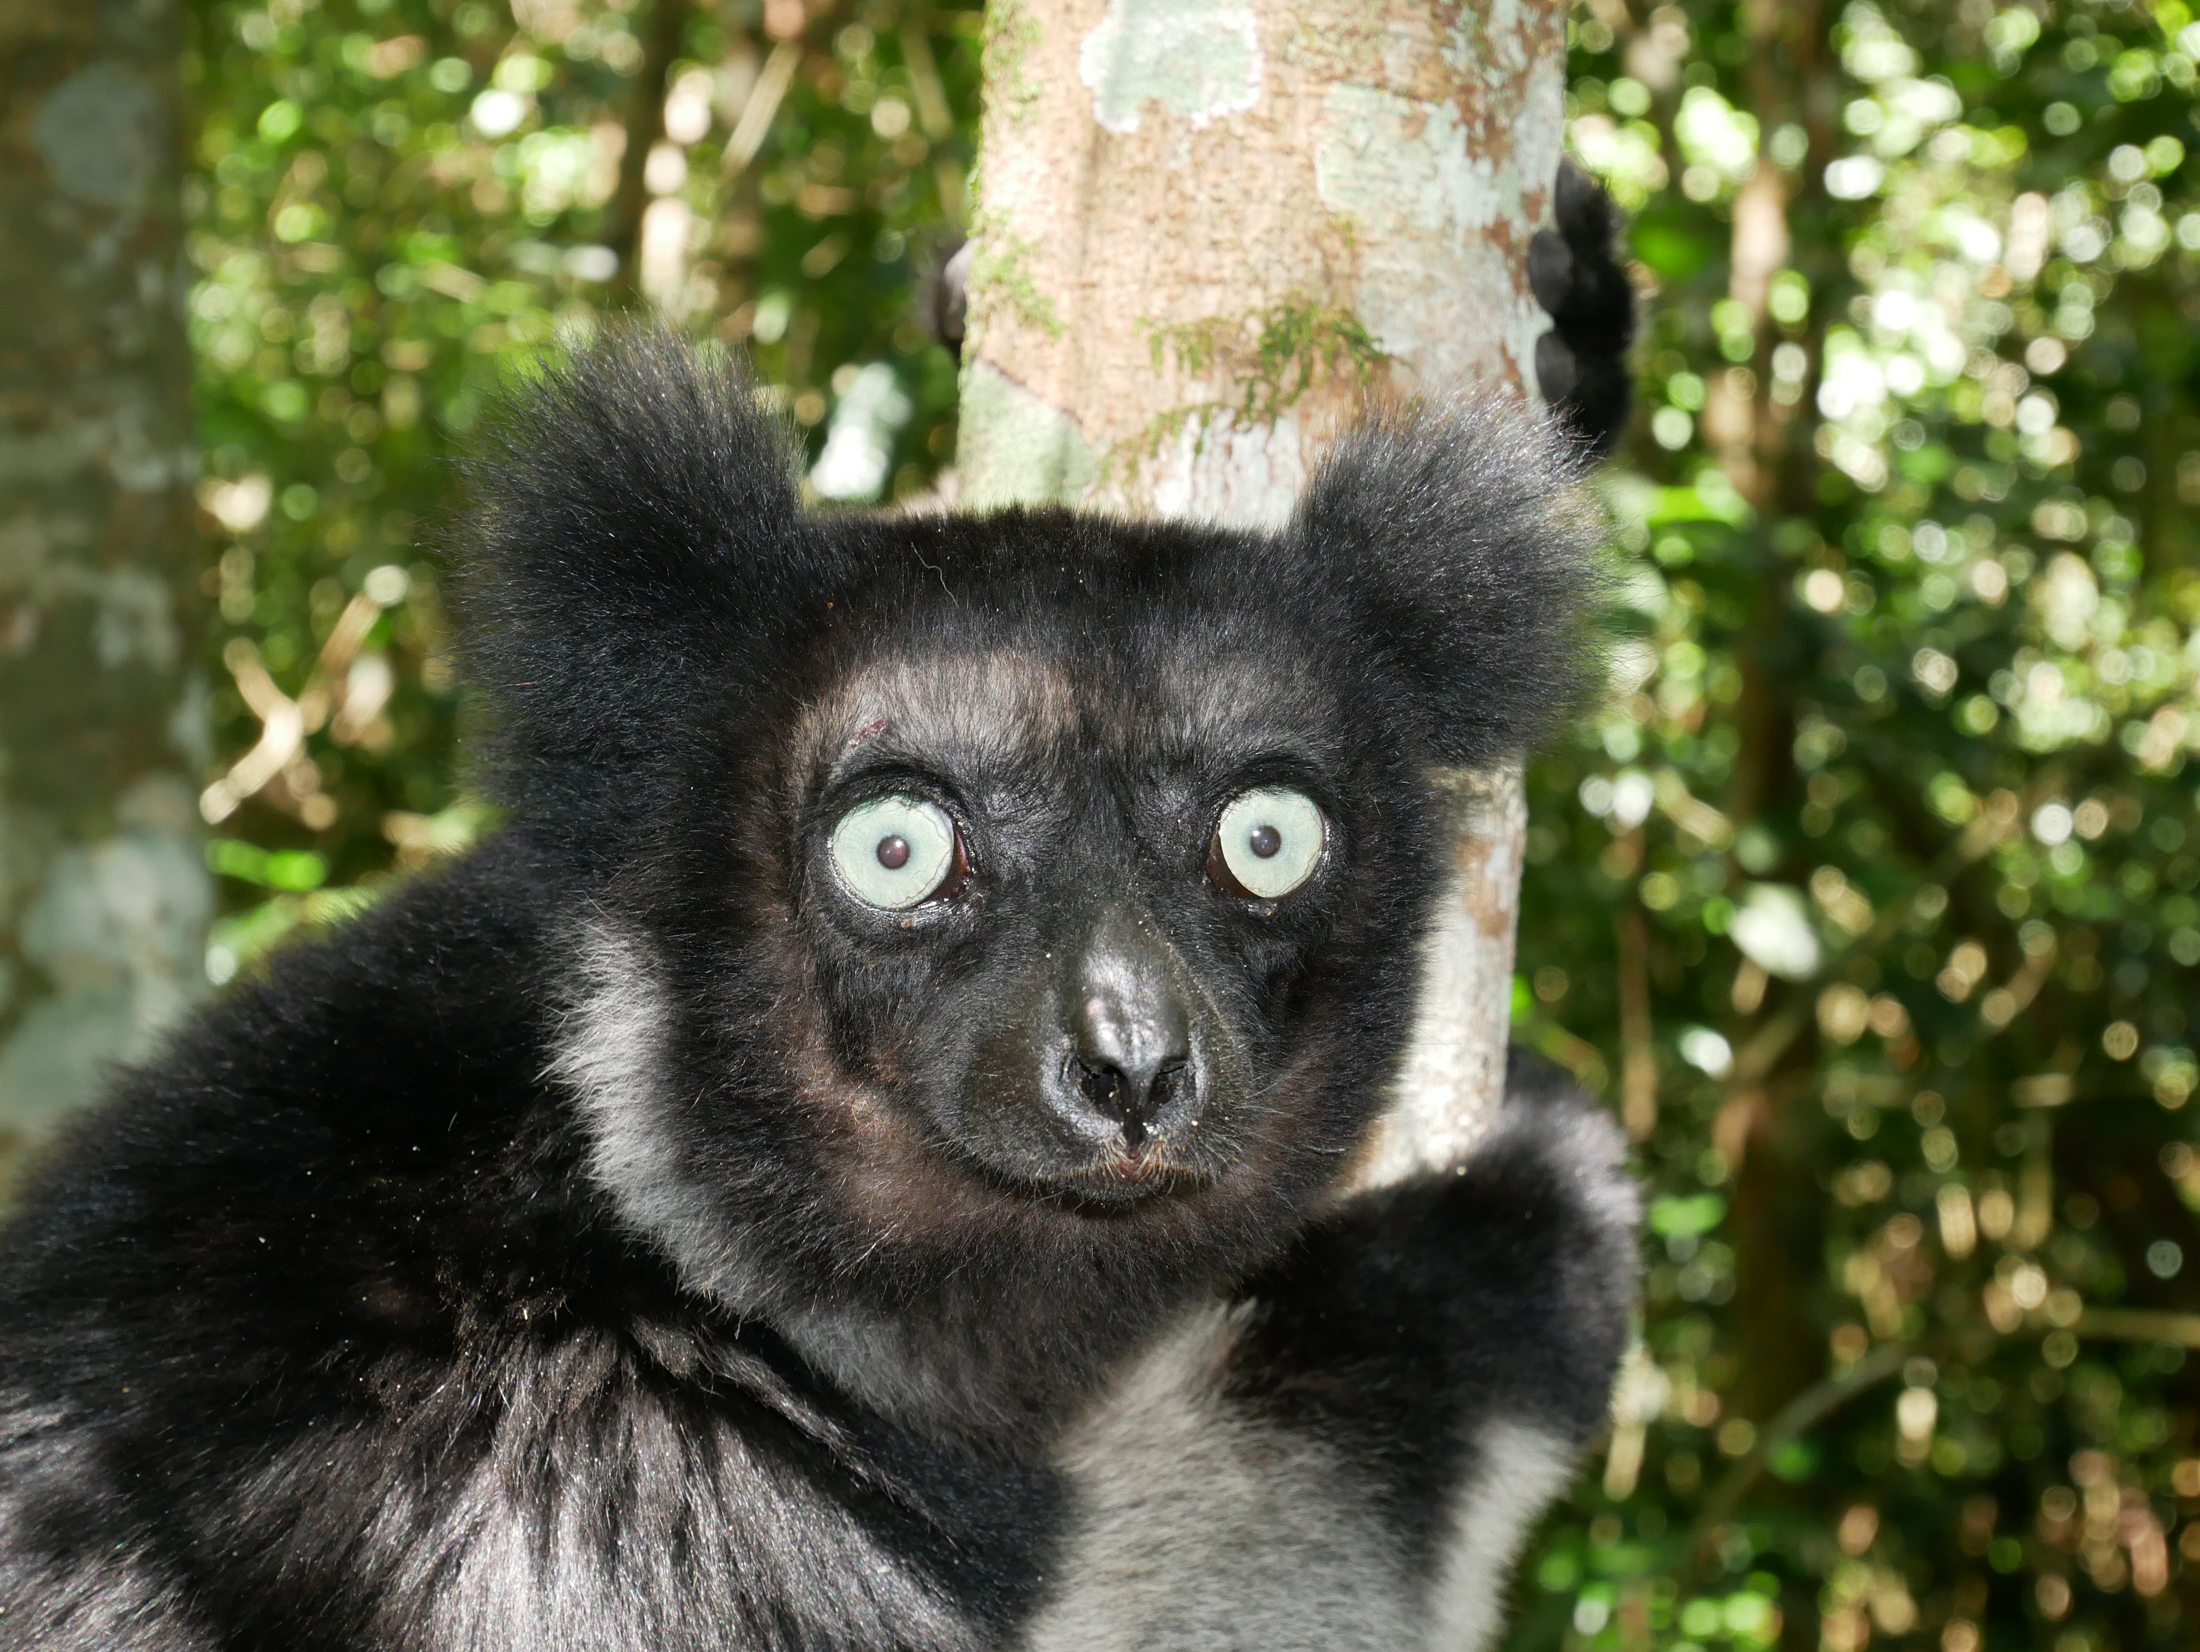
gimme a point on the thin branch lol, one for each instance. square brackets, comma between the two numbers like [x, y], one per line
[1638, 1054]
[755, 123]
[1794, 1419]
[1819, 1401]
[2139, 1325]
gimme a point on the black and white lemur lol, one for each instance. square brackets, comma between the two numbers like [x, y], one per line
[851, 1164]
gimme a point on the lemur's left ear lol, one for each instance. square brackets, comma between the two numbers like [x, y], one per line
[1461, 543]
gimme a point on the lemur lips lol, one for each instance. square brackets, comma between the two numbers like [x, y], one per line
[1133, 1175]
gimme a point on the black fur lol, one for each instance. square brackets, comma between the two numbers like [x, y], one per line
[1575, 273]
[626, 1237]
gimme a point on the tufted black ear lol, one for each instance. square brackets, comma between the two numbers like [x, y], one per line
[1465, 550]
[635, 513]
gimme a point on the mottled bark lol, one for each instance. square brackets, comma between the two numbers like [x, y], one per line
[1207, 232]
[104, 895]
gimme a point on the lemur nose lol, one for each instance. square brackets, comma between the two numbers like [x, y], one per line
[1133, 1058]
[1131, 1033]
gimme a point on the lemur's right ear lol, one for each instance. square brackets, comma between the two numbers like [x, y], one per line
[635, 514]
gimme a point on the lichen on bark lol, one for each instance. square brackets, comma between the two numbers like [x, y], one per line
[1274, 358]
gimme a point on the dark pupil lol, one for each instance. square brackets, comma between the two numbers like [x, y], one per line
[893, 852]
[1264, 841]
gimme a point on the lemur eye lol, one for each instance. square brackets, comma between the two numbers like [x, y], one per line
[1267, 843]
[893, 852]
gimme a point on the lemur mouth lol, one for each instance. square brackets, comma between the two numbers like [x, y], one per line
[1130, 1176]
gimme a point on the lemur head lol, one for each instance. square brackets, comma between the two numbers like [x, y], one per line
[987, 930]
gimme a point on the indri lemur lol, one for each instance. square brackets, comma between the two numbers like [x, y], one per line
[852, 1163]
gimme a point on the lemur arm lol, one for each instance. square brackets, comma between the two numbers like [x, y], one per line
[1406, 1391]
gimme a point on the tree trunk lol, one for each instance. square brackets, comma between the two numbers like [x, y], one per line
[1207, 232]
[104, 894]
[1769, 1125]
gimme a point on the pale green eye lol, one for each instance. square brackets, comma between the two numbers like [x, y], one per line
[892, 852]
[1268, 842]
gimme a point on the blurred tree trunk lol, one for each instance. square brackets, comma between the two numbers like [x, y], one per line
[104, 895]
[1771, 1127]
[645, 128]
[1207, 231]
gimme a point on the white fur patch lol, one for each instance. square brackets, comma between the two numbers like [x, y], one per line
[609, 1050]
[603, 1516]
[1198, 1529]
[1520, 1469]
[713, 1545]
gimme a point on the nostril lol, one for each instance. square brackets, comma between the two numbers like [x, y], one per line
[1103, 1086]
[1169, 1085]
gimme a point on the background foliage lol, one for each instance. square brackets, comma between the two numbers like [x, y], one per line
[1870, 897]
[1889, 831]
[398, 204]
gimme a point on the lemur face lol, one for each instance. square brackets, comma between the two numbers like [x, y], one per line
[1063, 900]
[1072, 909]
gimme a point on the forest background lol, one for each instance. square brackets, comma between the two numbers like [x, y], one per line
[1868, 895]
